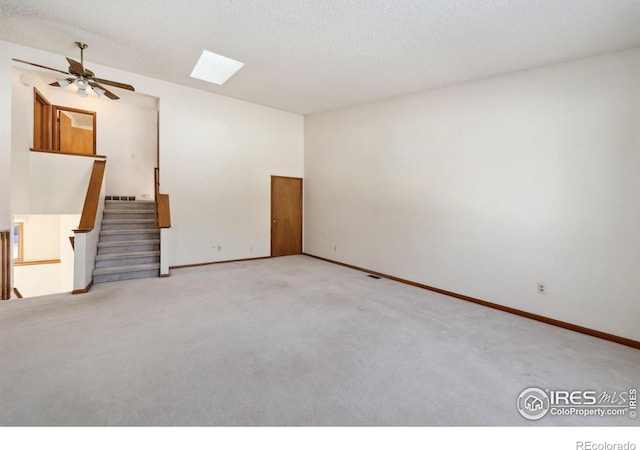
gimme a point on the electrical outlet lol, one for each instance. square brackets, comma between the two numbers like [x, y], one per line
[542, 288]
[219, 247]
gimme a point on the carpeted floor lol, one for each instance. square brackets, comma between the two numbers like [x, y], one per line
[286, 341]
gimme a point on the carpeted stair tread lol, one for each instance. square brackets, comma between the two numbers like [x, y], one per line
[107, 256]
[122, 202]
[129, 211]
[117, 221]
[129, 231]
[124, 269]
[126, 243]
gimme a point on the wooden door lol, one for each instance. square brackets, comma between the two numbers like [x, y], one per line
[286, 216]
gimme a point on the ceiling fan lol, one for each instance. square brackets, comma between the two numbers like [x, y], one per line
[83, 78]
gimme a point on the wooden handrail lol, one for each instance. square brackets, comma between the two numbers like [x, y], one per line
[5, 264]
[90, 209]
[162, 209]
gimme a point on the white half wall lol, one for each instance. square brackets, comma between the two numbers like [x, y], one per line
[487, 188]
[86, 249]
[55, 184]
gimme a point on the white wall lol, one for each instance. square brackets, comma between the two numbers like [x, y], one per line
[40, 237]
[216, 158]
[486, 188]
[36, 280]
[44, 279]
[5, 141]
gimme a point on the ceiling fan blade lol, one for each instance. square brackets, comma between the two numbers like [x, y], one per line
[75, 67]
[110, 95]
[38, 65]
[56, 84]
[107, 92]
[115, 84]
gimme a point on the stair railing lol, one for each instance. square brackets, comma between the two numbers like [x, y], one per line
[92, 200]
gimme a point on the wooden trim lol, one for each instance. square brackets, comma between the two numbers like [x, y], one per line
[17, 292]
[5, 264]
[507, 309]
[165, 275]
[20, 257]
[164, 211]
[186, 266]
[90, 208]
[54, 152]
[83, 291]
[36, 262]
[41, 120]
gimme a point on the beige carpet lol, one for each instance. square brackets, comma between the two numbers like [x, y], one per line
[286, 341]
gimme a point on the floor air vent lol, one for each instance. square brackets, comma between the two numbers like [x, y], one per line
[123, 198]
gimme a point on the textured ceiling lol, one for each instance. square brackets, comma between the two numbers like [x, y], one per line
[307, 56]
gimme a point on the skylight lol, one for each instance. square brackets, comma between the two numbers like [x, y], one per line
[215, 68]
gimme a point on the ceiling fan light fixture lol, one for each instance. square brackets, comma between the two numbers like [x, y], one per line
[81, 83]
[82, 92]
[98, 91]
[63, 82]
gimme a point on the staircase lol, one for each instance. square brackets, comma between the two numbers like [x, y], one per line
[129, 245]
